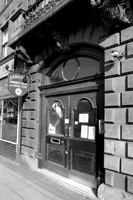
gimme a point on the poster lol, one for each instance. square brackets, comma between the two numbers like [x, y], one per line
[84, 118]
[84, 131]
[91, 134]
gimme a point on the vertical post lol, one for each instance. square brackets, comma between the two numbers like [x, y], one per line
[19, 130]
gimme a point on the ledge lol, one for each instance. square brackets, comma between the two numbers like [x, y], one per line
[39, 21]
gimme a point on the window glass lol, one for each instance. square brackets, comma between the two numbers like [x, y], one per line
[0, 116]
[9, 120]
[56, 119]
[4, 43]
[5, 36]
[75, 68]
[56, 75]
[88, 67]
[85, 120]
[70, 69]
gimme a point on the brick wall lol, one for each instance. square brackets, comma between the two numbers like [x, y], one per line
[118, 143]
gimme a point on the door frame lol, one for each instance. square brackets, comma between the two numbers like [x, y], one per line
[88, 84]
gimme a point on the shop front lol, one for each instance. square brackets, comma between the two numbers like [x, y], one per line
[10, 116]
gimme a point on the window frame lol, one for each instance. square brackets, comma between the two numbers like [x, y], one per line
[4, 43]
[75, 51]
[18, 122]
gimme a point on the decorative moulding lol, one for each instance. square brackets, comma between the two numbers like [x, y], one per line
[115, 14]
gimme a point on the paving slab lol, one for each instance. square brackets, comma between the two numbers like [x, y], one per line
[18, 183]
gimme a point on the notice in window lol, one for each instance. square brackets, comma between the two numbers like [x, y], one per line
[51, 129]
[84, 118]
[84, 131]
[91, 134]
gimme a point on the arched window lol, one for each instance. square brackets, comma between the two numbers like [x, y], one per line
[75, 67]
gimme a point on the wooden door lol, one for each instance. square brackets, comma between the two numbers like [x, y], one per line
[71, 136]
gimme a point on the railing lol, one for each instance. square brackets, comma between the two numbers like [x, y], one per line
[38, 9]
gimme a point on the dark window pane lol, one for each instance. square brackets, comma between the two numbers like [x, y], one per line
[70, 69]
[56, 75]
[75, 68]
[10, 118]
[84, 106]
[88, 67]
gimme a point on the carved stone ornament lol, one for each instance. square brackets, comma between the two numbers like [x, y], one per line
[61, 41]
[114, 13]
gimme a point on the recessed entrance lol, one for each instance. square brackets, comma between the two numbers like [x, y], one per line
[73, 110]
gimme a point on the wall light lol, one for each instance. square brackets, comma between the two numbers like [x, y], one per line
[116, 55]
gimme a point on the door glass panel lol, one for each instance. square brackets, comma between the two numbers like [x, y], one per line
[56, 119]
[84, 120]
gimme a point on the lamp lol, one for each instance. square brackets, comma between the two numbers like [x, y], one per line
[116, 55]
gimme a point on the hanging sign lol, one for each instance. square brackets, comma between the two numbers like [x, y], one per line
[16, 85]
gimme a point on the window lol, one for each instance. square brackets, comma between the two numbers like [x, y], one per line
[5, 43]
[75, 68]
[9, 120]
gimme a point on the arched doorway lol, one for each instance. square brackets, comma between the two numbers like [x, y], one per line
[72, 109]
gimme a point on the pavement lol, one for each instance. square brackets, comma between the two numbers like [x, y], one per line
[19, 183]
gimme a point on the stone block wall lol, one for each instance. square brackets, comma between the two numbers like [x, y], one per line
[118, 142]
[30, 123]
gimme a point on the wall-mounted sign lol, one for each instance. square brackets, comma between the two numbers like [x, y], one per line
[16, 85]
[3, 71]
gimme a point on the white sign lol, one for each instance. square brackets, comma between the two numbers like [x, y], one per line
[18, 91]
[84, 131]
[66, 121]
[83, 118]
[91, 134]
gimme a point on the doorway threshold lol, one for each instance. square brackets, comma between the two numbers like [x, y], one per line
[72, 185]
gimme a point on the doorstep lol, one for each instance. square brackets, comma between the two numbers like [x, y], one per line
[72, 185]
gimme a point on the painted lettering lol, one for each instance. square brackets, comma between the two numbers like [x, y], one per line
[16, 76]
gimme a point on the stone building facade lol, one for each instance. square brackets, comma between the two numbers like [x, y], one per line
[81, 150]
